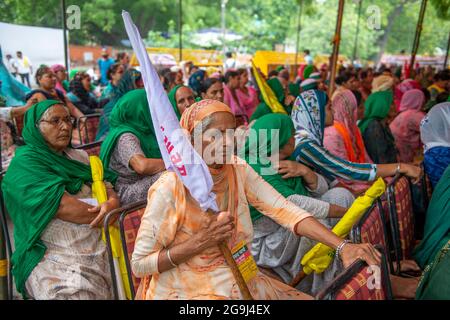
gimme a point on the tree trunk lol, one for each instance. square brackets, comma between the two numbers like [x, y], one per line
[382, 40]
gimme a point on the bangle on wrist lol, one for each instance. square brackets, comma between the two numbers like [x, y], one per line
[170, 259]
[397, 170]
[340, 247]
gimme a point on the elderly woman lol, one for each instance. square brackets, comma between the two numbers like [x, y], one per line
[181, 97]
[131, 148]
[46, 79]
[59, 251]
[177, 243]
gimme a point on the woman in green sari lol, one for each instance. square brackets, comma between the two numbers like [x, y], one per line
[131, 149]
[433, 252]
[282, 95]
[271, 137]
[58, 253]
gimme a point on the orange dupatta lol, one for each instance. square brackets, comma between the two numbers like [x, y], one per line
[349, 145]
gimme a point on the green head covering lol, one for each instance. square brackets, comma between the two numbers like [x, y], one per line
[258, 146]
[307, 71]
[277, 88]
[437, 223]
[173, 100]
[263, 109]
[294, 89]
[33, 187]
[377, 106]
[126, 84]
[131, 114]
[72, 73]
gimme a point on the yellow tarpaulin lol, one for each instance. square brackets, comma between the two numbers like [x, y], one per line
[320, 256]
[270, 60]
[99, 193]
[269, 97]
[201, 58]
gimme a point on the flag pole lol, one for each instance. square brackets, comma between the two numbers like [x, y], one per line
[416, 42]
[233, 266]
[64, 24]
[336, 42]
[446, 54]
[299, 20]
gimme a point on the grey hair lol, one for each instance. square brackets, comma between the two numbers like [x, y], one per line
[45, 114]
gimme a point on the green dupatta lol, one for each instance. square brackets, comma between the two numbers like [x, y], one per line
[256, 148]
[437, 223]
[33, 187]
[131, 114]
[377, 106]
[126, 84]
[262, 108]
[173, 100]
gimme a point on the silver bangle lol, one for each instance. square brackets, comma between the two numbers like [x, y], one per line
[340, 247]
[170, 259]
[397, 170]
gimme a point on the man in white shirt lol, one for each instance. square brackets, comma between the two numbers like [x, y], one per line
[24, 67]
[230, 63]
[308, 57]
[10, 65]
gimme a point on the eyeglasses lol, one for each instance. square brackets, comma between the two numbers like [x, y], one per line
[56, 122]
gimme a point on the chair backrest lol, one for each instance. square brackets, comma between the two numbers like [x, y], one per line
[371, 226]
[19, 122]
[92, 149]
[7, 241]
[129, 223]
[402, 216]
[90, 129]
[360, 282]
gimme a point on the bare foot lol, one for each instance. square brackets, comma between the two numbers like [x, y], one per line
[404, 288]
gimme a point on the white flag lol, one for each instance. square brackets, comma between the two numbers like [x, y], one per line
[176, 149]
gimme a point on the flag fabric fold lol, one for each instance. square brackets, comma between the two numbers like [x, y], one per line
[267, 93]
[320, 256]
[175, 146]
[99, 193]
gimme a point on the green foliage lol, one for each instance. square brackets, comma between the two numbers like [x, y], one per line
[262, 23]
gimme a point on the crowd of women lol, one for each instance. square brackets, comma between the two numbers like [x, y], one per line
[329, 150]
